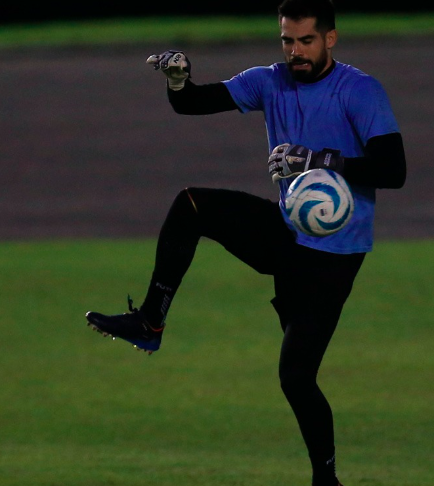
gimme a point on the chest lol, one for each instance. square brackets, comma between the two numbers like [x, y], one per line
[310, 115]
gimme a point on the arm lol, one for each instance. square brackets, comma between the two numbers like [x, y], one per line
[185, 97]
[382, 166]
[205, 99]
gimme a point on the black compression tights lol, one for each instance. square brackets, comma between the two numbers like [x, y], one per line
[311, 288]
[309, 306]
[249, 227]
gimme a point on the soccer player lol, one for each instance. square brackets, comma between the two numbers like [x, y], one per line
[319, 113]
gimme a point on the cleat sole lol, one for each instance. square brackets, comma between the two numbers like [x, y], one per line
[141, 345]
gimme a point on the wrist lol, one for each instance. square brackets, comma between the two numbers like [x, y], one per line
[175, 84]
[330, 159]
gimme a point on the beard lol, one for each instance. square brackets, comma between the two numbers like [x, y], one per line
[307, 75]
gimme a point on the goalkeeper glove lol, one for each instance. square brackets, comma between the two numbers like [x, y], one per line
[291, 160]
[175, 65]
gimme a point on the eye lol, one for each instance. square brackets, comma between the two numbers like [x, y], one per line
[287, 40]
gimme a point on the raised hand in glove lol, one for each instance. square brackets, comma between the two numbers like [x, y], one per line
[175, 65]
[291, 160]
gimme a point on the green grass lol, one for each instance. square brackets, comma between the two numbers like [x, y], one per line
[197, 29]
[80, 410]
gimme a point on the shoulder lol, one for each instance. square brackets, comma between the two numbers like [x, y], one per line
[365, 102]
[355, 78]
[263, 73]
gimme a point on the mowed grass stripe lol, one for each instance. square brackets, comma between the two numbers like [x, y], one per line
[80, 410]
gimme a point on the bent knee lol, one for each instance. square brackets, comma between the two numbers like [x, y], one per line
[185, 199]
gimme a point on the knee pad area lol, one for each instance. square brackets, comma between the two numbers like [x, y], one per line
[183, 212]
[188, 192]
[297, 383]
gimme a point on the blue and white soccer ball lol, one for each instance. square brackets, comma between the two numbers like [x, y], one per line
[319, 202]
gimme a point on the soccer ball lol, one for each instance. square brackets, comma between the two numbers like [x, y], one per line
[319, 202]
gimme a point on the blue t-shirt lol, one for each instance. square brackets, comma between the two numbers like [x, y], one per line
[341, 111]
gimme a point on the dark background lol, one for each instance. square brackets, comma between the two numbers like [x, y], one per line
[90, 147]
[48, 11]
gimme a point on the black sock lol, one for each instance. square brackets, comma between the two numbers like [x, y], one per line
[176, 247]
[157, 302]
[324, 473]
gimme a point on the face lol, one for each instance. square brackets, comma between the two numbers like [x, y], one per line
[307, 52]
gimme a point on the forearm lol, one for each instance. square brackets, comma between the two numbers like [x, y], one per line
[203, 99]
[383, 166]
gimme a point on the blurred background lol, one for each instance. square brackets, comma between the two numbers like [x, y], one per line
[42, 11]
[90, 146]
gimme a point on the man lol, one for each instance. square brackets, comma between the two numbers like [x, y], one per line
[310, 102]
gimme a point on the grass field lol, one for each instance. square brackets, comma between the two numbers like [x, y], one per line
[171, 29]
[80, 410]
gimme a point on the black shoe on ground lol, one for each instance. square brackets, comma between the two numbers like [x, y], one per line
[338, 483]
[131, 327]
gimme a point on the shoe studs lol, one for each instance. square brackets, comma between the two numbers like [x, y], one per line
[141, 349]
[97, 329]
[105, 334]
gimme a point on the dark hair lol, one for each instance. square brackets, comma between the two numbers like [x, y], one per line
[322, 10]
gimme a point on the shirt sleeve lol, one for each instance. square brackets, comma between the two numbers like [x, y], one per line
[369, 109]
[247, 88]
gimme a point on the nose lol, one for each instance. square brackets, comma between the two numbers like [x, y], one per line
[296, 49]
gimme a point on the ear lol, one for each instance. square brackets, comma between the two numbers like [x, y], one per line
[331, 38]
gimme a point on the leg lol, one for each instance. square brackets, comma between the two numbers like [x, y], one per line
[246, 225]
[309, 306]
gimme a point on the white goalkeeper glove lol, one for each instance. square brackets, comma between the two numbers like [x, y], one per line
[175, 65]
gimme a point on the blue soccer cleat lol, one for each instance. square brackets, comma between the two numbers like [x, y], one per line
[131, 327]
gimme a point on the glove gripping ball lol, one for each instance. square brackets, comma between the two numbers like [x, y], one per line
[319, 202]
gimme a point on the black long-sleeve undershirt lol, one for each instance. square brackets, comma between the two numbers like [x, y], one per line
[383, 165]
